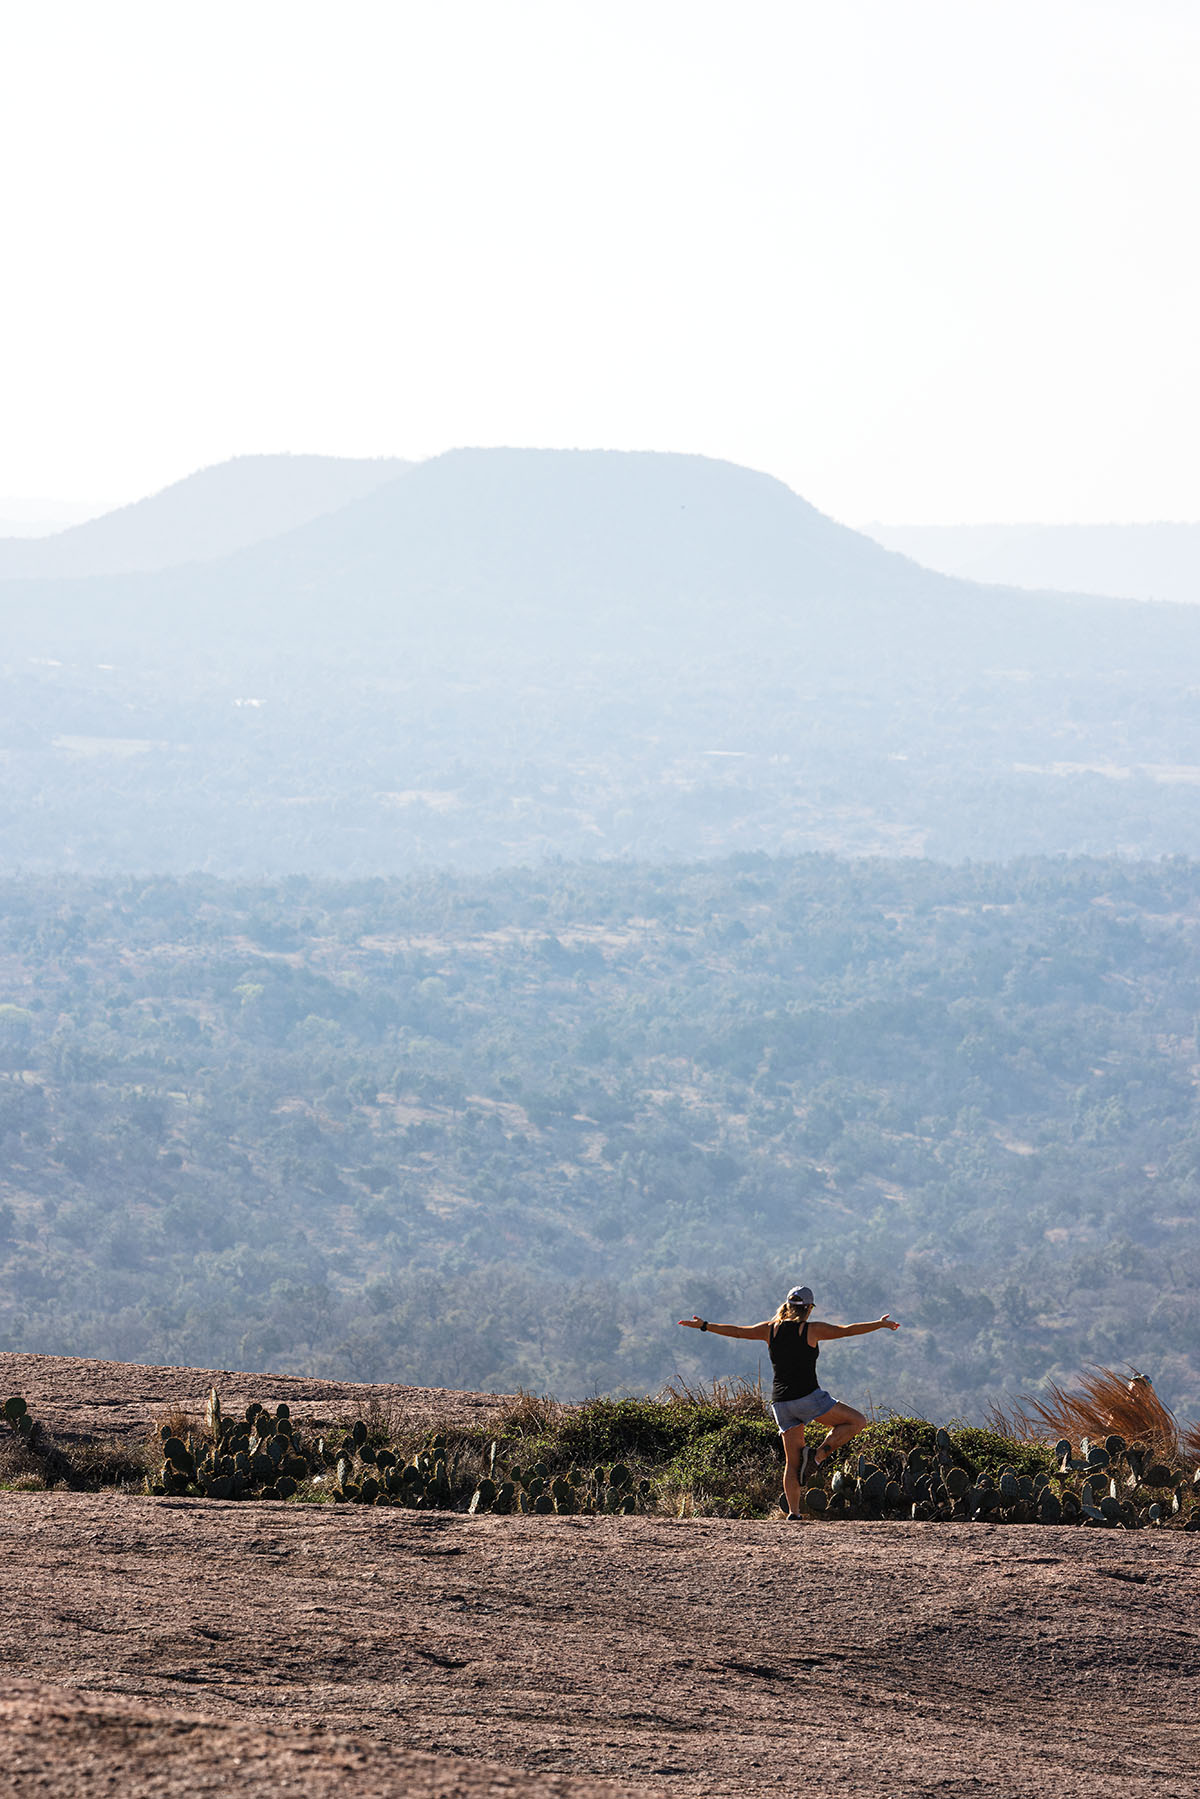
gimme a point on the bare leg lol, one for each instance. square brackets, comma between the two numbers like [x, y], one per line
[793, 1449]
[843, 1422]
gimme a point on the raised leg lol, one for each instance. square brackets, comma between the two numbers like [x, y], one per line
[843, 1422]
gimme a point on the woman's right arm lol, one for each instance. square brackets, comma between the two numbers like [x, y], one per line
[696, 1323]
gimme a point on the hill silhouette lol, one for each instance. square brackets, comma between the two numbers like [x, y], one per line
[480, 553]
[205, 516]
[497, 538]
[556, 533]
[503, 654]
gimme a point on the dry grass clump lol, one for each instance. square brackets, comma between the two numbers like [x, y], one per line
[387, 1421]
[1014, 1420]
[111, 1462]
[30, 1460]
[19, 1463]
[175, 1424]
[1108, 1403]
[737, 1397]
[530, 1415]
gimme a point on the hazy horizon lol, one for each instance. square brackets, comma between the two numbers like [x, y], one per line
[918, 264]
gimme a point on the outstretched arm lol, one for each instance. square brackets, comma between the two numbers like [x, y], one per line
[822, 1333]
[696, 1323]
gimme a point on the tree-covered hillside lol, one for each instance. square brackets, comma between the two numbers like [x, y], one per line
[507, 1130]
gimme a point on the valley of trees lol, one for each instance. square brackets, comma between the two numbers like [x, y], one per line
[504, 1130]
[323, 764]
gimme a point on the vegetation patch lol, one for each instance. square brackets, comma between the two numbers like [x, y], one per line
[690, 1451]
[988, 1452]
[649, 1430]
[733, 1471]
[29, 1460]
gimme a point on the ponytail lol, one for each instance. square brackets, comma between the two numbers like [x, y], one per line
[790, 1311]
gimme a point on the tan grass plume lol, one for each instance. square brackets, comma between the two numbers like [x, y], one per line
[1107, 1403]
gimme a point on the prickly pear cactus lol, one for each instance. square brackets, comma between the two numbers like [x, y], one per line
[17, 1414]
[179, 1456]
[484, 1496]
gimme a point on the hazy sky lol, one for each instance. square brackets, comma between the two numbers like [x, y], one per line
[925, 261]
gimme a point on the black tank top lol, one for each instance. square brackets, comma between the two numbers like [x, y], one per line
[794, 1360]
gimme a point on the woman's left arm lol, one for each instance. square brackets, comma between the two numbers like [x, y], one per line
[822, 1333]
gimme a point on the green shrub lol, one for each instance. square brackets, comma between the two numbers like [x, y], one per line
[987, 1452]
[605, 1430]
[893, 1433]
[737, 1467]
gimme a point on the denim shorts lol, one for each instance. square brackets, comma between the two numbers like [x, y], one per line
[790, 1412]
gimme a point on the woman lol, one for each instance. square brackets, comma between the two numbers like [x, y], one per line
[794, 1341]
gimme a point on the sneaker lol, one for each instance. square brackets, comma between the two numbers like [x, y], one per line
[794, 1518]
[808, 1463]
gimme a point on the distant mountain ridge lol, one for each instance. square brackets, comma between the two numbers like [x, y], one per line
[499, 532]
[584, 551]
[206, 516]
[498, 655]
